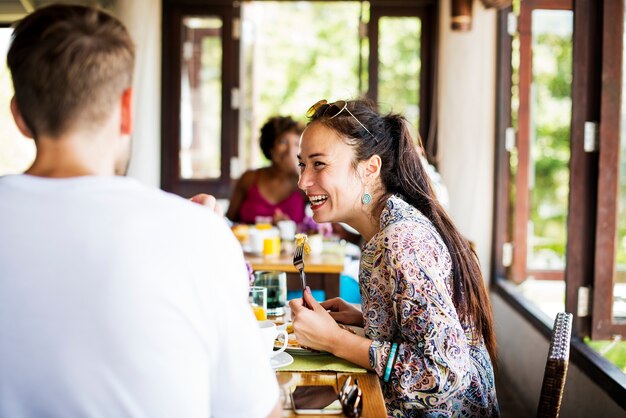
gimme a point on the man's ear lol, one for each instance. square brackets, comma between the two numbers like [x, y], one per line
[19, 120]
[126, 125]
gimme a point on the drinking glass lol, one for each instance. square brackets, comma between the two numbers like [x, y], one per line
[276, 284]
[271, 247]
[257, 297]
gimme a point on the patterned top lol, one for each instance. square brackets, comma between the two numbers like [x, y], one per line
[406, 295]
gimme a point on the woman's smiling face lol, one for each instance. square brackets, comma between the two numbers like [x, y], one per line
[328, 177]
[285, 150]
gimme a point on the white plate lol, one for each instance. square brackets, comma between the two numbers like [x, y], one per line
[296, 349]
[281, 360]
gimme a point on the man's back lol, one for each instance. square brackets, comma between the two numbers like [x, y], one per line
[118, 300]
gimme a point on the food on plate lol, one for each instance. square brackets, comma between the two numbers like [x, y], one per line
[303, 239]
[287, 327]
[292, 342]
[293, 346]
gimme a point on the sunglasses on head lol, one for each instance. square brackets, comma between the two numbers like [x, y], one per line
[332, 110]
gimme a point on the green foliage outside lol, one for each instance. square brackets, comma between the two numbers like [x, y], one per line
[399, 67]
[615, 352]
[296, 53]
[551, 100]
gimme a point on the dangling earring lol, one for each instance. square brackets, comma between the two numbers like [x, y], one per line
[366, 199]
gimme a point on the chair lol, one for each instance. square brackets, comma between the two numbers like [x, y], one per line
[556, 367]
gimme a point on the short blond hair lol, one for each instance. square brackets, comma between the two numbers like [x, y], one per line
[69, 64]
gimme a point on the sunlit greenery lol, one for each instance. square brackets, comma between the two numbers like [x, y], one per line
[550, 97]
[550, 152]
[296, 53]
[615, 352]
[400, 66]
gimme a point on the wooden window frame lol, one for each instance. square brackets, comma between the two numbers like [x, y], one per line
[427, 12]
[228, 10]
[604, 326]
[173, 13]
[519, 269]
[592, 206]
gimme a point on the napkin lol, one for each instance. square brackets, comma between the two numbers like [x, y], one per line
[321, 362]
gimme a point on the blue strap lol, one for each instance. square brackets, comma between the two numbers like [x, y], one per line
[390, 361]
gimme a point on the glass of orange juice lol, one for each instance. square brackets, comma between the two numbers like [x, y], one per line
[257, 298]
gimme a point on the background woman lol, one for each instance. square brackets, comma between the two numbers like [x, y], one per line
[271, 191]
[427, 317]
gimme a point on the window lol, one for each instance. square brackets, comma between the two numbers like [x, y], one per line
[561, 169]
[199, 101]
[200, 113]
[609, 319]
[399, 65]
[401, 49]
[294, 54]
[229, 66]
[539, 160]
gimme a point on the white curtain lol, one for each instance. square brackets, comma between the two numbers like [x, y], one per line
[143, 20]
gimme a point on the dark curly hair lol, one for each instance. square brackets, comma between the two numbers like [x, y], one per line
[274, 128]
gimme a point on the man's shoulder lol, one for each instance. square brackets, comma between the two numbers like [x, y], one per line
[182, 210]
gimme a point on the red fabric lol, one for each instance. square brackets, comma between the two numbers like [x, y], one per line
[256, 205]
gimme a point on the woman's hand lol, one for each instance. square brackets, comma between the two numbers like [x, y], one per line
[316, 328]
[343, 312]
[313, 326]
[279, 215]
[208, 201]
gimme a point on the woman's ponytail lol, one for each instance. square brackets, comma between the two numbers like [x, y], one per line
[407, 176]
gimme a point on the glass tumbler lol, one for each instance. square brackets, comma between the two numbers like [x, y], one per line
[257, 298]
[276, 284]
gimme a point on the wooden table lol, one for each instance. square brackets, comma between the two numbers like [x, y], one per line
[373, 401]
[322, 271]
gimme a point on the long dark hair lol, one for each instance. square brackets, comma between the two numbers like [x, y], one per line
[402, 173]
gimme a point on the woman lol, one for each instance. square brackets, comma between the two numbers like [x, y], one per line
[426, 313]
[271, 191]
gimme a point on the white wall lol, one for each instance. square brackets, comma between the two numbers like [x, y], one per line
[466, 123]
[143, 19]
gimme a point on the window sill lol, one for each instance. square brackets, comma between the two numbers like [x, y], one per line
[597, 368]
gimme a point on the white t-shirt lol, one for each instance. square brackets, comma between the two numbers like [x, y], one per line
[121, 301]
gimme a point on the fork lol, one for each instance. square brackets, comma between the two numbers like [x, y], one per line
[298, 263]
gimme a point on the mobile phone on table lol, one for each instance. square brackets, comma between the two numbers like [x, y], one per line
[315, 400]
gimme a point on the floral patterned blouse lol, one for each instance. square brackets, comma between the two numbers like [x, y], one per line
[406, 294]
